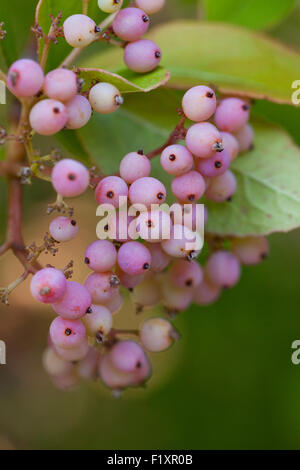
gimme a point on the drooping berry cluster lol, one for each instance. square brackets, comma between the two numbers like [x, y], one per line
[146, 249]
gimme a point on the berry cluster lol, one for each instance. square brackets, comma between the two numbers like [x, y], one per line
[146, 249]
[59, 102]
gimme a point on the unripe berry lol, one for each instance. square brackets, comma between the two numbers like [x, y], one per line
[48, 285]
[147, 293]
[183, 243]
[131, 24]
[70, 178]
[63, 229]
[102, 286]
[101, 256]
[176, 160]
[186, 274]
[206, 293]
[157, 334]
[60, 84]
[99, 322]
[154, 226]
[232, 114]
[47, 117]
[250, 250]
[188, 187]
[105, 98]
[245, 138]
[110, 6]
[80, 30]
[147, 191]
[134, 258]
[199, 103]
[203, 140]
[133, 166]
[110, 189]
[25, 78]
[127, 356]
[223, 269]
[230, 144]
[221, 188]
[67, 334]
[150, 6]
[53, 364]
[142, 56]
[75, 354]
[75, 302]
[159, 259]
[213, 166]
[79, 112]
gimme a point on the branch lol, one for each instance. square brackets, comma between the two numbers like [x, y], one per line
[85, 6]
[179, 133]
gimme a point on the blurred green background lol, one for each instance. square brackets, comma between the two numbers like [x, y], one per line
[228, 384]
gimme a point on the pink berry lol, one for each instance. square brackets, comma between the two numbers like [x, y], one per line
[199, 103]
[232, 114]
[98, 322]
[150, 6]
[203, 140]
[127, 356]
[119, 225]
[70, 178]
[25, 78]
[206, 293]
[230, 144]
[75, 302]
[147, 191]
[114, 378]
[223, 269]
[115, 303]
[154, 226]
[250, 250]
[159, 259]
[134, 258]
[63, 229]
[245, 138]
[110, 190]
[77, 353]
[133, 166]
[213, 166]
[101, 256]
[185, 273]
[188, 187]
[131, 24]
[79, 112]
[221, 188]
[175, 298]
[54, 364]
[129, 281]
[183, 243]
[67, 334]
[102, 286]
[48, 285]
[176, 160]
[47, 117]
[142, 56]
[60, 84]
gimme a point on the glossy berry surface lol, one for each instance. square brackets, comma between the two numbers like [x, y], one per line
[48, 285]
[67, 334]
[25, 78]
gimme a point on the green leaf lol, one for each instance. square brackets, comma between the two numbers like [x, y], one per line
[17, 25]
[254, 14]
[234, 59]
[268, 196]
[127, 81]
